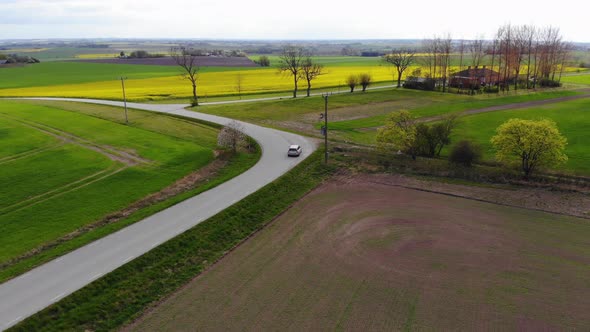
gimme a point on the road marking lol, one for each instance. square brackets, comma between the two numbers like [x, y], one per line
[12, 322]
[57, 297]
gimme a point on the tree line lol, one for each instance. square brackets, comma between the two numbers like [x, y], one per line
[519, 56]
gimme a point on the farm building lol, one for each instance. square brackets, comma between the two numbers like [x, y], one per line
[474, 77]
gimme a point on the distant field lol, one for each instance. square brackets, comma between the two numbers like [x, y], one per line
[364, 130]
[203, 61]
[65, 167]
[572, 118]
[88, 80]
[92, 80]
[578, 79]
[364, 256]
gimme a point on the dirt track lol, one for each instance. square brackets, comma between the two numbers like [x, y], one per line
[355, 255]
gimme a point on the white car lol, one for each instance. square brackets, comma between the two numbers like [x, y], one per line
[294, 151]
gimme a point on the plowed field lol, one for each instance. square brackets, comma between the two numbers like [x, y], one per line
[357, 255]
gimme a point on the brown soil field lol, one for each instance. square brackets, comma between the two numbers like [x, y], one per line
[359, 255]
[203, 61]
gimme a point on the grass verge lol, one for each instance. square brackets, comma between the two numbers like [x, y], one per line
[123, 294]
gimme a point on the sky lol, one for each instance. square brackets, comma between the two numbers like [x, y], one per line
[285, 20]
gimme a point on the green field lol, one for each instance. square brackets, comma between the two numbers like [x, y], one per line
[355, 117]
[577, 79]
[572, 119]
[73, 72]
[64, 169]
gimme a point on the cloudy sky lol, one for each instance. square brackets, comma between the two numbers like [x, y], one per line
[302, 19]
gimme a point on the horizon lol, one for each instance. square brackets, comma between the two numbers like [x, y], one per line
[233, 20]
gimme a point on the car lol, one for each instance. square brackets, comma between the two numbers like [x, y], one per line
[294, 151]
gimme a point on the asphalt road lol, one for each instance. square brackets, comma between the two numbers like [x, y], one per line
[47, 284]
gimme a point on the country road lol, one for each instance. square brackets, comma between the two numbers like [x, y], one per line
[47, 284]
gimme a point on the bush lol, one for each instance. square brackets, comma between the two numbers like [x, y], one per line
[547, 83]
[491, 89]
[465, 153]
[419, 83]
[263, 61]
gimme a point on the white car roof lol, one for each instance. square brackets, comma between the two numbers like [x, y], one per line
[294, 146]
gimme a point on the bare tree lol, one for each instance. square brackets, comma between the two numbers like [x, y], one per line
[401, 59]
[238, 86]
[231, 136]
[290, 61]
[352, 81]
[445, 59]
[309, 71]
[477, 54]
[364, 80]
[188, 62]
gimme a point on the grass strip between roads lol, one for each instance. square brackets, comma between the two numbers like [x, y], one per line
[124, 294]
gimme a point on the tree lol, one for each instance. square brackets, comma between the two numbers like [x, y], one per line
[263, 61]
[352, 81]
[309, 71]
[364, 80]
[530, 143]
[399, 134]
[238, 86]
[140, 54]
[231, 136]
[188, 62]
[290, 61]
[401, 59]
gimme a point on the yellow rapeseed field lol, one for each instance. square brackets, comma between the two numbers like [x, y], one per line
[209, 84]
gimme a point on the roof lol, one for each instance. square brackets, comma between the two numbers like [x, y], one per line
[294, 146]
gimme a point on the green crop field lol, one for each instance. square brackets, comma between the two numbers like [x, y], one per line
[364, 130]
[66, 166]
[577, 79]
[572, 118]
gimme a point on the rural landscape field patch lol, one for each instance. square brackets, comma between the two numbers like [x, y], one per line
[64, 169]
[359, 255]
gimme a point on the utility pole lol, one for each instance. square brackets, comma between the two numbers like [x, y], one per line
[325, 131]
[124, 98]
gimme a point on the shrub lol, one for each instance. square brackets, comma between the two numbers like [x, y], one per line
[547, 83]
[263, 61]
[419, 83]
[139, 54]
[465, 153]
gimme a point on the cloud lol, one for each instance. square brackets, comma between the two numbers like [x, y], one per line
[266, 19]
